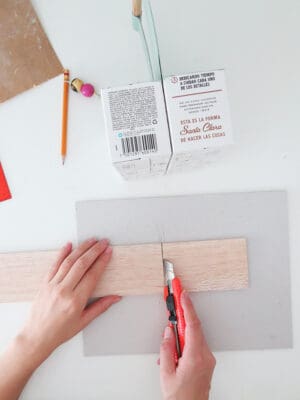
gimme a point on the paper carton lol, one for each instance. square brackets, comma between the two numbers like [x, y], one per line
[199, 119]
[137, 129]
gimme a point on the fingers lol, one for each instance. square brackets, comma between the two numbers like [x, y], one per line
[98, 307]
[87, 285]
[71, 259]
[190, 314]
[193, 332]
[167, 353]
[83, 263]
[64, 252]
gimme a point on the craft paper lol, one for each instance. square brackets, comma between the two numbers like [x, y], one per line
[26, 55]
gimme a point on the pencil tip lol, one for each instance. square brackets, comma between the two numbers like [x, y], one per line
[63, 160]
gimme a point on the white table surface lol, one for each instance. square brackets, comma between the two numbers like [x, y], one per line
[258, 44]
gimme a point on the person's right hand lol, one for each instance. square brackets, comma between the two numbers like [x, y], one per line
[190, 380]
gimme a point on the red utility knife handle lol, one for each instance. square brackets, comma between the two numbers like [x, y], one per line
[177, 290]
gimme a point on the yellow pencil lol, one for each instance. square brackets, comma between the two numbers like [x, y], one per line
[65, 116]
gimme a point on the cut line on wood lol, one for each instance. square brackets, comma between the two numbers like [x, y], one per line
[137, 269]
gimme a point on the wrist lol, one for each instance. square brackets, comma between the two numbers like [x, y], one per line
[31, 352]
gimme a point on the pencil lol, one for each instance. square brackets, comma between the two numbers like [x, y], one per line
[65, 116]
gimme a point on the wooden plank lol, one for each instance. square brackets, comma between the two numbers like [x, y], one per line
[137, 269]
[133, 270]
[210, 265]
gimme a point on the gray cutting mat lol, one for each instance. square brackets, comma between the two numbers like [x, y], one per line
[255, 318]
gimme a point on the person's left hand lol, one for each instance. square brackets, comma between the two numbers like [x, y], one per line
[60, 309]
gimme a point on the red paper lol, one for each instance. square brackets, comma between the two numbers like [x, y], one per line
[4, 189]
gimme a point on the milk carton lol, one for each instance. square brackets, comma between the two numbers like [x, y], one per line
[137, 129]
[199, 119]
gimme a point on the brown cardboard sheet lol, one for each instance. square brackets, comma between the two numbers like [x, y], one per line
[26, 55]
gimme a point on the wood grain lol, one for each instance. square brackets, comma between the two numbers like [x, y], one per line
[133, 270]
[137, 269]
[210, 265]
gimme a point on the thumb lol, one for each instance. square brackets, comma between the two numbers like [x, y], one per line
[167, 353]
[93, 310]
